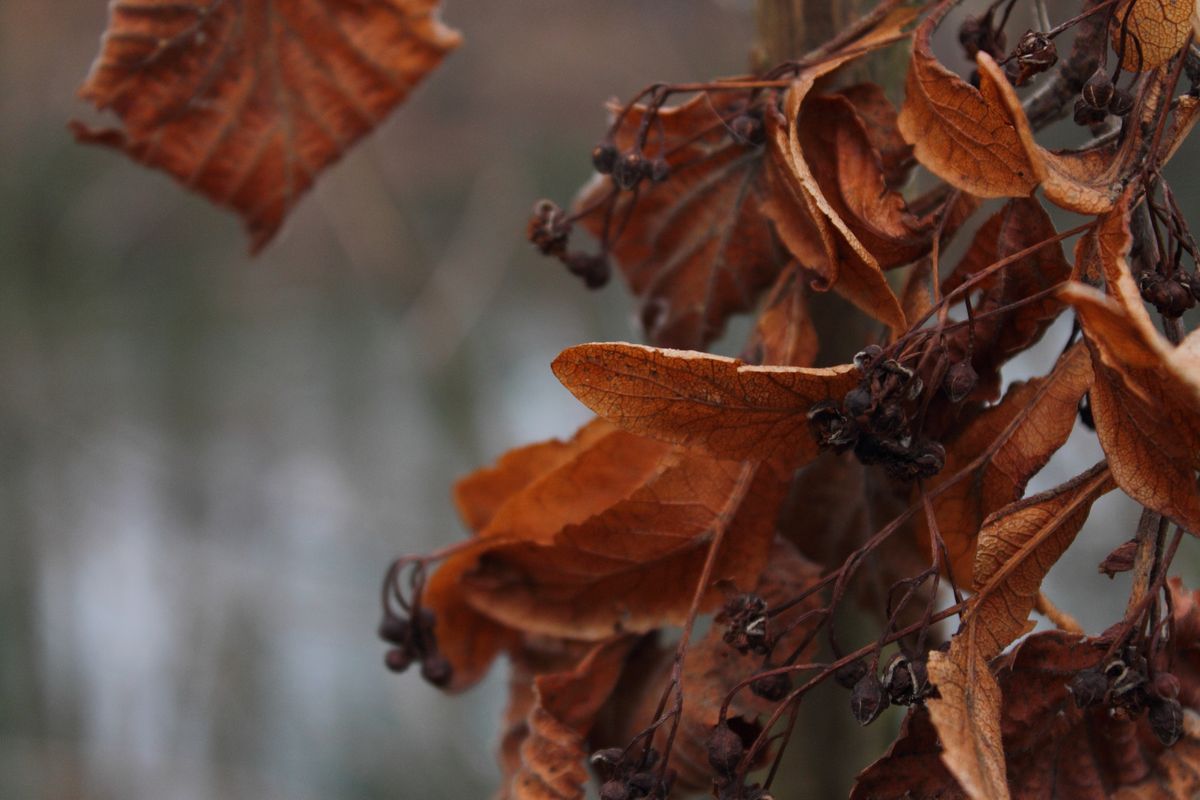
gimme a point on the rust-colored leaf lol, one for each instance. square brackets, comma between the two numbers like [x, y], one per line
[969, 137]
[551, 745]
[785, 334]
[911, 768]
[710, 669]
[996, 337]
[1154, 31]
[1146, 400]
[967, 717]
[1017, 547]
[695, 248]
[634, 566]
[729, 409]
[1004, 446]
[248, 102]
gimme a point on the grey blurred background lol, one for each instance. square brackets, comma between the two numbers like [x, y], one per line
[206, 462]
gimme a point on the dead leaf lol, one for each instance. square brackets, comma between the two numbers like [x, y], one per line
[785, 334]
[720, 405]
[711, 668]
[1017, 547]
[248, 102]
[634, 565]
[967, 718]
[967, 136]
[1146, 400]
[695, 248]
[911, 768]
[1160, 27]
[1015, 438]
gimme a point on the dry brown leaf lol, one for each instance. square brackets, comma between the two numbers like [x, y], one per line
[720, 405]
[911, 768]
[785, 335]
[1160, 27]
[1054, 750]
[511, 502]
[996, 338]
[1021, 433]
[695, 249]
[1146, 400]
[248, 102]
[634, 566]
[967, 136]
[563, 707]
[967, 718]
[1017, 547]
[711, 668]
[881, 123]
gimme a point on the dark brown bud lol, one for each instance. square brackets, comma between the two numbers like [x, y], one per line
[437, 670]
[1087, 116]
[1164, 686]
[1098, 91]
[394, 630]
[1121, 103]
[772, 687]
[848, 675]
[604, 158]
[868, 699]
[615, 790]
[659, 170]
[1120, 559]
[1088, 687]
[1166, 720]
[1034, 53]
[548, 228]
[929, 460]
[867, 357]
[858, 402]
[725, 749]
[629, 170]
[593, 269]
[397, 659]
[748, 129]
[906, 680]
[960, 381]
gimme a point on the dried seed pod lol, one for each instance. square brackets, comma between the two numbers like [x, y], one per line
[548, 228]
[748, 129]
[725, 749]
[867, 357]
[629, 170]
[604, 158]
[1120, 559]
[1166, 720]
[659, 170]
[594, 269]
[772, 687]
[1121, 103]
[615, 790]
[1087, 116]
[437, 670]
[1088, 687]
[394, 629]
[868, 699]
[1034, 53]
[858, 402]
[1098, 91]
[1164, 686]
[746, 618]
[397, 659]
[848, 675]
[960, 381]
[607, 761]
[929, 459]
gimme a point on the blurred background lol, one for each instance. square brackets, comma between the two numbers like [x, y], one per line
[207, 462]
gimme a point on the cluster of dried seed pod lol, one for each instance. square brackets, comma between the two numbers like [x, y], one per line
[629, 774]
[904, 682]
[413, 639]
[1125, 686]
[873, 419]
[549, 229]
[745, 618]
[1170, 295]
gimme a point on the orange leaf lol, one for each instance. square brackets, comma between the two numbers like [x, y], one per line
[1146, 400]
[695, 248]
[1004, 446]
[969, 137]
[1017, 547]
[248, 102]
[967, 718]
[785, 334]
[1155, 30]
[634, 566]
[727, 408]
